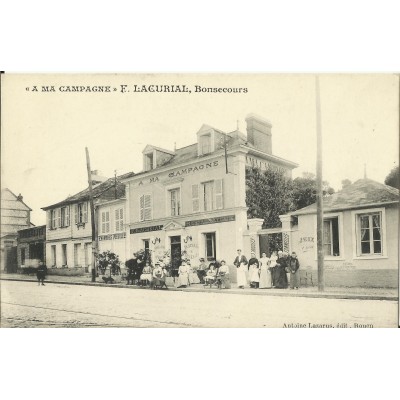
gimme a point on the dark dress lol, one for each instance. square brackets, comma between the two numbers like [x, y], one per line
[41, 272]
[280, 277]
[132, 267]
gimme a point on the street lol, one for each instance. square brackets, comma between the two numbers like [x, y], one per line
[25, 304]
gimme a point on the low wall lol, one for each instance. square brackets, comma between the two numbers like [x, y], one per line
[66, 271]
[385, 278]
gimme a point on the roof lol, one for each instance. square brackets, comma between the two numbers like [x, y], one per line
[360, 194]
[235, 138]
[104, 191]
[4, 199]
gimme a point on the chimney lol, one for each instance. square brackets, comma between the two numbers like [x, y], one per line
[19, 197]
[259, 133]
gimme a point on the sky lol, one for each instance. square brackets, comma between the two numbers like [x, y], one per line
[44, 134]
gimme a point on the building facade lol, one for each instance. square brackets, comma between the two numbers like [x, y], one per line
[15, 215]
[31, 246]
[361, 239]
[191, 202]
[69, 227]
[111, 227]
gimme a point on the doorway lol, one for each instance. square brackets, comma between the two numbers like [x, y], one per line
[176, 253]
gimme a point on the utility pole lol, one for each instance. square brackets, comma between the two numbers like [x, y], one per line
[115, 184]
[92, 217]
[320, 210]
[226, 155]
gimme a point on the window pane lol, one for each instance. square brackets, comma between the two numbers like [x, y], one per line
[377, 247]
[364, 234]
[376, 221]
[365, 248]
[377, 234]
[364, 221]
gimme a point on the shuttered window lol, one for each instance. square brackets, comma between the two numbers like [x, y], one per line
[81, 215]
[195, 198]
[105, 221]
[219, 198]
[119, 219]
[145, 207]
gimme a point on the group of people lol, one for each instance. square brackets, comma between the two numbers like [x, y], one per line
[277, 271]
[214, 273]
[141, 272]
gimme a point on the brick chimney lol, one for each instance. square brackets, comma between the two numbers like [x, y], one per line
[259, 133]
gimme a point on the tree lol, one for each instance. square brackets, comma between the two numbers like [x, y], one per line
[268, 195]
[393, 179]
[305, 190]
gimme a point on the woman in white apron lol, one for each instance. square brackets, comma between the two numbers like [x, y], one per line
[265, 273]
[241, 267]
[183, 275]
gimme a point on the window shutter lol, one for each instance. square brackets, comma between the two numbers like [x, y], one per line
[58, 217]
[147, 207]
[116, 219]
[67, 216]
[195, 198]
[76, 213]
[219, 200]
[107, 221]
[49, 219]
[141, 208]
[85, 215]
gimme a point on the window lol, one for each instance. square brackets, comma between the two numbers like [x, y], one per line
[370, 234]
[119, 219]
[331, 237]
[64, 254]
[212, 195]
[53, 255]
[81, 213]
[210, 246]
[149, 162]
[105, 221]
[145, 207]
[53, 214]
[77, 258]
[208, 192]
[175, 195]
[146, 246]
[205, 144]
[65, 216]
[23, 256]
[195, 198]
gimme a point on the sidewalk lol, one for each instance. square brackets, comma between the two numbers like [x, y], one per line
[310, 291]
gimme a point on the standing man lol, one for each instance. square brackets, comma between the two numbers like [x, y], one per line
[240, 262]
[132, 266]
[294, 266]
[41, 273]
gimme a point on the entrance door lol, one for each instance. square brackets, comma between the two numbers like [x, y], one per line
[176, 258]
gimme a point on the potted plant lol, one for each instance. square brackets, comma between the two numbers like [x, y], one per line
[109, 260]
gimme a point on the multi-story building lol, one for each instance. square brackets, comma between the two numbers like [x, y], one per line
[193, 200]
[15, 215]
[69, 230]
[31, 246]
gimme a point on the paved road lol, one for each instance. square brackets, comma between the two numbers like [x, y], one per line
[24, 304]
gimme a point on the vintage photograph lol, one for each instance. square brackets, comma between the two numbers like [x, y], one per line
[199, 200]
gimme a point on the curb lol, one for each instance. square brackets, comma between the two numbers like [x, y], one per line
[231, 291]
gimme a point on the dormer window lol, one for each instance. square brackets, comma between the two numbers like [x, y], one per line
[205, 144]
[149, 161]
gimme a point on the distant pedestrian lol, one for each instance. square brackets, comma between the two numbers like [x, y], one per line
[41, 273]
[294, 266]
[240, 262]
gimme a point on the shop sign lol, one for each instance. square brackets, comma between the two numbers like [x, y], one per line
[115, 236]
[215, 220]
[147, 229]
